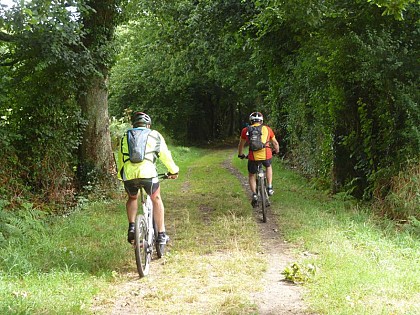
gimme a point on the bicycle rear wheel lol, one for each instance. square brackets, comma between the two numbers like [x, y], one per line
[141, 246]
[160, 248]
[263, 197]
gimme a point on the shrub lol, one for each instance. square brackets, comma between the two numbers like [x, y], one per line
[403, 194]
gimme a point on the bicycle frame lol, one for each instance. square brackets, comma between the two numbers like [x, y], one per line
[261, 189]
[261, 186]
[144, 235]
[147, 206]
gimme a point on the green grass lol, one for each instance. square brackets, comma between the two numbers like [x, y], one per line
[63, 265]
[364, 264]
[60, 268]
[73, 260]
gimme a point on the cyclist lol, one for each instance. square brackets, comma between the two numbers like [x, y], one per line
[264, 155]
[144, 174]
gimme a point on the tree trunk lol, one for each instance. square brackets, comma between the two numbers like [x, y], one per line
[95, 153]
[96, 160]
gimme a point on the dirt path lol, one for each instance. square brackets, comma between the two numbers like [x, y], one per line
[278, 297]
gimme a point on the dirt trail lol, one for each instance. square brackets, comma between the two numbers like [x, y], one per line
[278, 297]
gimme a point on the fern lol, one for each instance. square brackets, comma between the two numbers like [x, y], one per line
[26, 222]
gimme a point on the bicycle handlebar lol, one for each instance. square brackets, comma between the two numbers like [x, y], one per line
[165, 175]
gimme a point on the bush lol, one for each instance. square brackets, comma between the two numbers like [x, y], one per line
[403, 194]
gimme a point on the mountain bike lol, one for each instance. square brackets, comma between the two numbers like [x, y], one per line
[261, 190]
[263, 199]
[146, 234]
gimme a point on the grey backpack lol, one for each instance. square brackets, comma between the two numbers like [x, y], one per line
[137, 139]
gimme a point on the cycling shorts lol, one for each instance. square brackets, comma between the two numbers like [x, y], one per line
[150, 185]
[253, 165]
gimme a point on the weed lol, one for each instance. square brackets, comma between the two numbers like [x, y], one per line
[299, 274]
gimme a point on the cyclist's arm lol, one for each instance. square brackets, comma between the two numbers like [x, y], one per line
[273, 141]
[166, 157]
[120, 162]
[242, 141]
[275, 145]
[241, 146]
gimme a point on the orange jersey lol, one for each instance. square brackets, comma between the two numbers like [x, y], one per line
[267, 136]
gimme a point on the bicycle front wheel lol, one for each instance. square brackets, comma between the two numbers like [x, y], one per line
[141, 246]
[263, 197]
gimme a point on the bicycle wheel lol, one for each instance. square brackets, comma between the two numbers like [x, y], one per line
[263, 196]
[141, 246]
[160, 248]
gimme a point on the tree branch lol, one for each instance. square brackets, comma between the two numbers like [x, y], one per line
[4, 37]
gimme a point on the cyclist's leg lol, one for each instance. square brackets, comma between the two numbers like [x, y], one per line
[252, 178]
[159, 216]
[269, 175]
[153, 190]
[132, 189]
[268, 171]
[131, 207]
[158, 210]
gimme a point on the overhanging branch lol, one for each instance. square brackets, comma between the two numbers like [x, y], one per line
[4, 37]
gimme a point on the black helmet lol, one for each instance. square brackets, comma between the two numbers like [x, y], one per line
[140, 119]
[256, 117]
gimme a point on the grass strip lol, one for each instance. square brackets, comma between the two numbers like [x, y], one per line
[363, 264]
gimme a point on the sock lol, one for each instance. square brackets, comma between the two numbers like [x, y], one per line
[131, 225]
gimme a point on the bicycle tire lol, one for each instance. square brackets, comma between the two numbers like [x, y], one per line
[141, 246]
[160, 248]
[263, 196]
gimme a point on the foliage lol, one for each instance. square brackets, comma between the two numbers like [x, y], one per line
[48, 62]
[179, 62]
[342, 84]
[26, 222]
[40, 116]
[299, 274]
[402, 197]
[338, 81]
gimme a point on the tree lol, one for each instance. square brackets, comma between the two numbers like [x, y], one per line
[186, 62]
[95, 154]
[58, 58]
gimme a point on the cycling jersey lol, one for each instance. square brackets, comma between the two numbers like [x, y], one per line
[267, 136]
[155, 148]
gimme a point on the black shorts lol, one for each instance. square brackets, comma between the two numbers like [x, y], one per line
[253, 165]
[150, 185]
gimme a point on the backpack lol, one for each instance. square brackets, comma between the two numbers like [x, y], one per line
[255, 138]
[136, 140]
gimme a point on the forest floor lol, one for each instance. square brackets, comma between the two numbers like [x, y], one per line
[278, 297]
